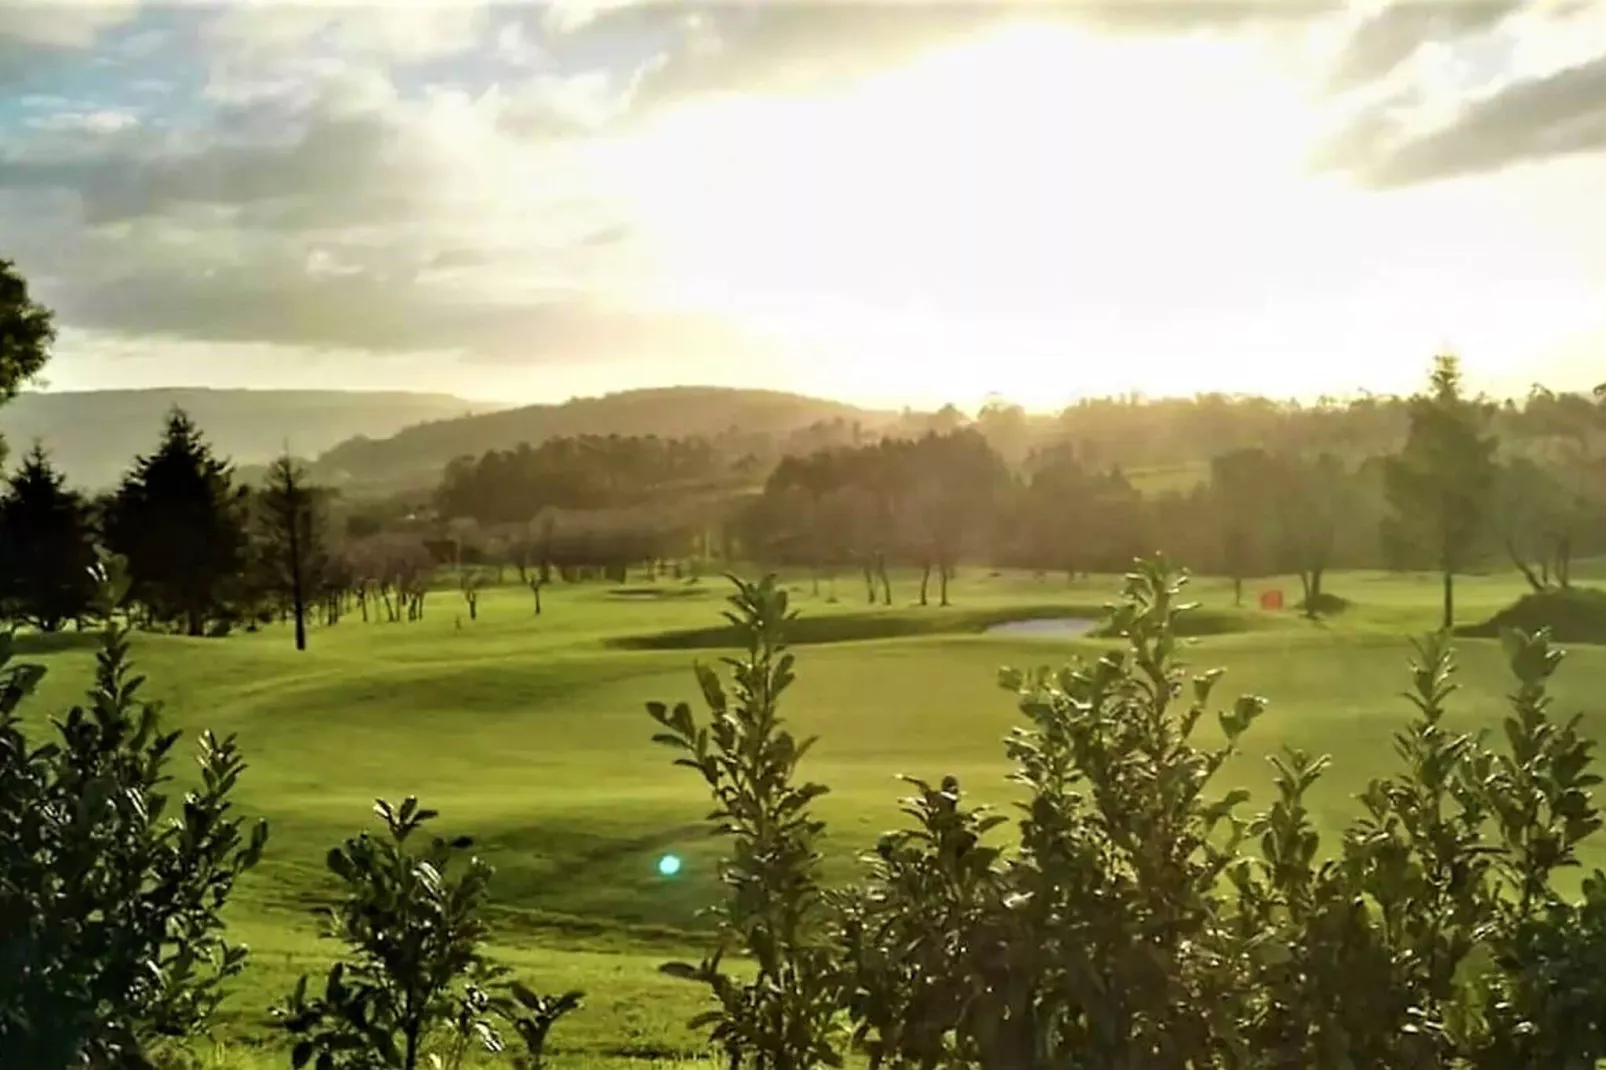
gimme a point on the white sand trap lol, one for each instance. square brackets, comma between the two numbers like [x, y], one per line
[1048, 628]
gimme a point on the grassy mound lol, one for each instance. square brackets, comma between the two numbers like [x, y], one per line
[1325, 605]
[1573, 615]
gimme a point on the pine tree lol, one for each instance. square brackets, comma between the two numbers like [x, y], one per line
[1438, 485]
[293, 550]
[181, 525]
[47, 547]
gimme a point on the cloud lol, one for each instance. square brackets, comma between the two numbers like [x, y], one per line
[1461, 90]
[789, 46]
[37, 36]
[1389, 37]
[63, 24]
[99, 121]
[1559, 115]
[399, 33]
[318, 303]
[329, 206]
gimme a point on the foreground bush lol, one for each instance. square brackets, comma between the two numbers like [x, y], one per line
[1140, 919]
[416, 987]
[110, 934]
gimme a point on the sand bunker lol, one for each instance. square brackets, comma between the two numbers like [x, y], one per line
[1054, 628]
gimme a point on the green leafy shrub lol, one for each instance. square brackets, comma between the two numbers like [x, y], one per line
[110, 929]
[784, 1019]
[417, 987]
[1139, 919]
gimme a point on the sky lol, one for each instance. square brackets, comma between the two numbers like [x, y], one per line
[889, 202]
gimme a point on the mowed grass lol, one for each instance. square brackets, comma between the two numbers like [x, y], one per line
[529, 733]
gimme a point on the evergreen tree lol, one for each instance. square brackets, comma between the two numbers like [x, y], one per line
[1438, 485]
[180, 523]
[292, 544]
[47, 547]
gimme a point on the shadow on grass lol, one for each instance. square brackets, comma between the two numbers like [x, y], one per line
[56, 642]
[666, 593]
[930, 620]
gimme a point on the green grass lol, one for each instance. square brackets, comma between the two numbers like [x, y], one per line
[529, 733]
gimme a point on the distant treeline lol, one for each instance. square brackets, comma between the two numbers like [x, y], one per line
[1240, 487]
[1437, 482]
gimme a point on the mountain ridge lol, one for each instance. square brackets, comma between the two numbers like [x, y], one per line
[414, 457]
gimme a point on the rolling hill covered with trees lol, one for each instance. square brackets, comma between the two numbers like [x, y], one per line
[741, 421]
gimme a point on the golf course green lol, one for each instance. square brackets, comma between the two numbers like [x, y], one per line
[529, 734]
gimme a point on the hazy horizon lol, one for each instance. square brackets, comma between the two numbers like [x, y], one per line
[887, 203]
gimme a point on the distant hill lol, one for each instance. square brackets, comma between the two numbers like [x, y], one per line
[94, 434]
[415, 457]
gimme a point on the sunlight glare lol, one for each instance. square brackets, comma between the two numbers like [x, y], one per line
[1026, 189]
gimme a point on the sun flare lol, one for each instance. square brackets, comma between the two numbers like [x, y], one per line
[1027, 191]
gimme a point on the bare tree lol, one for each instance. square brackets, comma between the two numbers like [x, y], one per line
[294, 554]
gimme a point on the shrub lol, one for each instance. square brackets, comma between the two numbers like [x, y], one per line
[417, 984]
[1137, 919]
[110, 928]
[776, 913]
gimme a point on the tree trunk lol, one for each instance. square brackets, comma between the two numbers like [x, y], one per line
[1564, 560]
[1237, 591]
[535, 588]
[944, 573]
[925, 581]
[1449, 599]
[298, 594]
[1536, 582]
[886, 582]
[869, 581]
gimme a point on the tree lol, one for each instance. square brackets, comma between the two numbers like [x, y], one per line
[179, 522]
[292, 537]
[1438, 485]
[1243, 484]
[1530, 510]
[1312, 496]
[26, 332]
[47, 547]
[956, 483]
